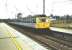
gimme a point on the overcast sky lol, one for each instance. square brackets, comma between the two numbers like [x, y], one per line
[9, 8]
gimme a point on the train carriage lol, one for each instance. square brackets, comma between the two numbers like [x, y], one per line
[37, 22]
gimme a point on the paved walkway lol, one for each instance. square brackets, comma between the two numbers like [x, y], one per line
[10, 39]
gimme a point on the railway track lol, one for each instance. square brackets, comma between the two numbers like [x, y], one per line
[55, 44]
[58, 44]
[47, 41]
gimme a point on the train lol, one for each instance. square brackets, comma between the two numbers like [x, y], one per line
[36, 21]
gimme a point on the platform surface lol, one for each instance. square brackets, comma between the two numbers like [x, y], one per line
[11, 39]
[68, 31]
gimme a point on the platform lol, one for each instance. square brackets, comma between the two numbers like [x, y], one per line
[68, 31]
[11, 39]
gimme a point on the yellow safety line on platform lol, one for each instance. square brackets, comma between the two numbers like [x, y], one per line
[12, 31]
[12, 39]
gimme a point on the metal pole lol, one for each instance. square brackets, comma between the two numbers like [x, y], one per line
[43, 7]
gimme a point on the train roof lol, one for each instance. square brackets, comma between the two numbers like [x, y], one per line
[39, 15]
[36, 16]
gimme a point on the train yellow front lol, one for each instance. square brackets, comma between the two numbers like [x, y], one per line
[42, 22]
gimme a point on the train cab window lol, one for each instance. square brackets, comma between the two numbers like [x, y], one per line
[38, 20]
[43, 20]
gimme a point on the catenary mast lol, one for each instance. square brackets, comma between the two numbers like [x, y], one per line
[43, 7]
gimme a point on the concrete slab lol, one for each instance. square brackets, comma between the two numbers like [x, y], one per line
[68, 31]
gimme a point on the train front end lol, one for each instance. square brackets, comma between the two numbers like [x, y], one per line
[42, 23]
